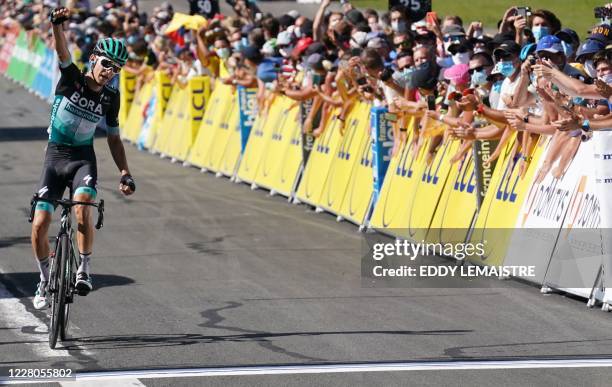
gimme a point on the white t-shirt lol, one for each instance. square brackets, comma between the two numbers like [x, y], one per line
[507, 89]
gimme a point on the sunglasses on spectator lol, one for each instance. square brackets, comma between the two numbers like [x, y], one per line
[109, 65]
[477, 69]
[544, 55]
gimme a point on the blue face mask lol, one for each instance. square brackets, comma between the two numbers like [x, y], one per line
[578, 100]
[497, 86]
[479, 78]
[507, 68]
[539, 32]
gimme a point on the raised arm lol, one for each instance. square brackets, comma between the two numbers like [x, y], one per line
[58, 16]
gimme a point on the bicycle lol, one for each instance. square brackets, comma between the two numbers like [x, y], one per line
[64, 264]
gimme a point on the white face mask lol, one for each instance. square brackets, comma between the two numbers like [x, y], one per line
[358, 39]
[606, 78]
[461, 58]
[298, 32]
[589, 67]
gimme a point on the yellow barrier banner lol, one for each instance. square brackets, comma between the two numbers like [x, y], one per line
[217, 109]
[346, 159]
[176, 107]
[198, 91]
[127, 85]
[504, 199]
[400, 182]
[282, 155]
[162, 91]
[225, 150]
[131, 128]
[458, 204]
[228, 165]
[422, 203]
[360, 186]
[261, 133]
[320, 160]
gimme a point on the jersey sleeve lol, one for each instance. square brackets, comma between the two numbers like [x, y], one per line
[112, 116]
[70, 71]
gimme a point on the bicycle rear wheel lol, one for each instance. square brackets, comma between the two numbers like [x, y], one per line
[59, 296]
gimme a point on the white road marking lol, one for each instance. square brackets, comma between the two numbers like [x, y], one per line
[14, 314]
[131, 376]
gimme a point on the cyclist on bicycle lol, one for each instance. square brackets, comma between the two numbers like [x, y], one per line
[81, 101]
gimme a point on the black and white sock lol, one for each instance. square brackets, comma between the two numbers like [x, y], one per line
[43, 266]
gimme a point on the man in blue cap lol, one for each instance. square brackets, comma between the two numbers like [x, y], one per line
[550, 47]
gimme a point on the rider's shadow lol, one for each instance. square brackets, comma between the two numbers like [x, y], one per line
[24, 284]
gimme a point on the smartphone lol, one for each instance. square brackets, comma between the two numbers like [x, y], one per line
[523, 11]
[431, 17]
[431, 102]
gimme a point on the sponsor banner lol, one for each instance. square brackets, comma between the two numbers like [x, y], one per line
[228, 165]
[546, 204]
[168, 126]
[281, 157]
[432, 175]
[131, 130]
[500, 209]
[247, 100]
[483, 171]
[36, 57]
[17, 64]
[360, 188]
[43, 83]
[381, 127]
[322, 155]
[400, 181]
[258, 140]
[217, 108]
[6, 51]
[225, 150]
[184, 135]
[458, 203]
[127, 85]
[346, 158]
[163, 91]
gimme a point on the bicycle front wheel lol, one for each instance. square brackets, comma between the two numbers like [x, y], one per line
[60, 284]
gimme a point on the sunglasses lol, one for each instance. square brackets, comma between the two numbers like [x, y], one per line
[108, 64]
[477, 69]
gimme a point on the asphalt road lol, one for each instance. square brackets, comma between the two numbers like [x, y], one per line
[194, 271]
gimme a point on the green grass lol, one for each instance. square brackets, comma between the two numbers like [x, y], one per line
[575, 14]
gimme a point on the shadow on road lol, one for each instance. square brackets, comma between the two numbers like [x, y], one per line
[170, 340]
[24, 284]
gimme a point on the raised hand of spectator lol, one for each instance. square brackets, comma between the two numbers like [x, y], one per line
[567, 124]
[603, 88]
[520, 23]
[468, 103]
[473, 28]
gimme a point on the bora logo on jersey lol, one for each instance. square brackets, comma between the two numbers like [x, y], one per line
[86, 103]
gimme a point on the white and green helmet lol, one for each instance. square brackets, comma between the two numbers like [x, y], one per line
[113, 49]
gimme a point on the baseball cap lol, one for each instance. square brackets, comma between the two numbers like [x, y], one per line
[527, 50]
[315, 62]
[458, 74]
[509, 47]
[424, 76]
[568, 36]
[496, 71]
[550, 43]
[601, 33]
[590, 46]
[453, 30]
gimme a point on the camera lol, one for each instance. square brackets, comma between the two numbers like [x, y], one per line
[523, 11]
[368, 89]
[602, 12]
[362, 81]
[532, 60]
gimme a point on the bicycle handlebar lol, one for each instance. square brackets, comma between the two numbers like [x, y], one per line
[67, 203]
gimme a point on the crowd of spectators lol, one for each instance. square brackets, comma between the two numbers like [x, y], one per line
[529, 74]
